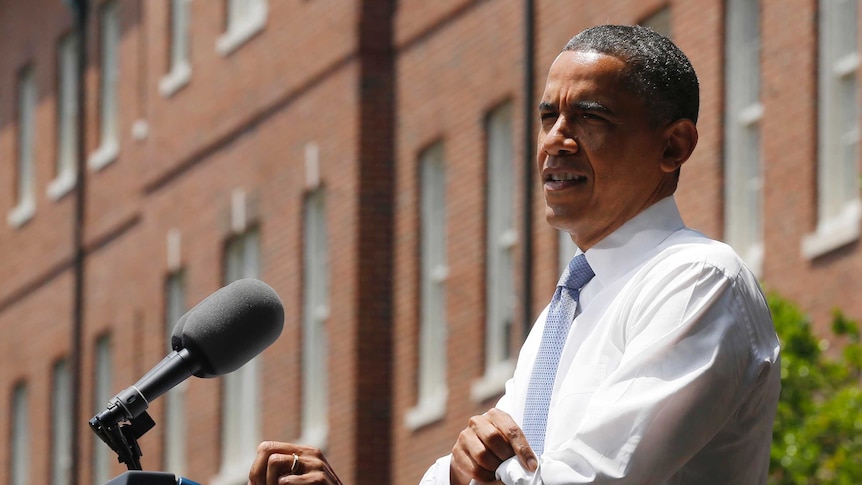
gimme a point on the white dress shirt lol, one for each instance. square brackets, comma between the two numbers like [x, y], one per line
[670, 374]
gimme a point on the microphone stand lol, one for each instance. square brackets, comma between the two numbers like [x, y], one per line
[123, 438]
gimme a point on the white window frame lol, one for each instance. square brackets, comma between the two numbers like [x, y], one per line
[314, 409]
[241, 397]
[19, 469]
[67, 118]
[743, 196]
[180, 71]
[109, 119]
[102, 392]
[838, 203]
[25, 208]
[245, 18]
[502, 238]
[432, 389]
[61, 423]
[174, 450]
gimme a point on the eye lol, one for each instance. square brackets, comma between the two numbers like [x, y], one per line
[547, 115]
[548, 118]
[591, 117]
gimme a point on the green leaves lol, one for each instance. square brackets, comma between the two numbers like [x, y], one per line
[817, 437]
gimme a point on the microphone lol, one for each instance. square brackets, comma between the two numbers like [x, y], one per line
[216, 337]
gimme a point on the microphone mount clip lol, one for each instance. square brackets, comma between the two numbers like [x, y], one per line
[122, 437]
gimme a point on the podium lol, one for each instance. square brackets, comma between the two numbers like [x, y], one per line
[136, 477]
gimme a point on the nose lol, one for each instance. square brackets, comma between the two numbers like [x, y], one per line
[559, 140]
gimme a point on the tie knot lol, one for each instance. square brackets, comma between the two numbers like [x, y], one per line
[577, 273]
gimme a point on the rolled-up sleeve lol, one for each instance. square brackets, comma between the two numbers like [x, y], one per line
[696, 343]
[438, 473]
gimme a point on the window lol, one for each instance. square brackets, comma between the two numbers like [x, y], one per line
[315, 313]
[25, 192]
[109, 23]
[180, 69]
[19, 470]
[61, 424]
[102, 455]
[501, 240]
[175, 399]
[838, 205]
[240, 391]
[431, 374]
[743, 197]
[245, 18]
[67, 118]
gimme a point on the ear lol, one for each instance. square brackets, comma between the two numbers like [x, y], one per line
[680, 140]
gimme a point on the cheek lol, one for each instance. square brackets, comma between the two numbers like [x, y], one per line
[617, 184]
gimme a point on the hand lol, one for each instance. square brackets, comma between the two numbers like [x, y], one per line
[279, 463]
[487, 441]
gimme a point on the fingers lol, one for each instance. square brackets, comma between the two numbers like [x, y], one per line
[487, 441]
[286, 463]
[515, 439]
[281, 465]
[510, 441]
[313, 478]
[257, 473]
[471, 460]
[501, 434]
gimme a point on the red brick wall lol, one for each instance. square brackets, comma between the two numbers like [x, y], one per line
[372, 84]
[243, 121]
[454, 66]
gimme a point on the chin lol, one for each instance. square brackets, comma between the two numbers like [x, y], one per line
[559, 217]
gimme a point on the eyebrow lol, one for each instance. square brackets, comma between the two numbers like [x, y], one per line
[592, 106]
[546, 106]
[581, 105]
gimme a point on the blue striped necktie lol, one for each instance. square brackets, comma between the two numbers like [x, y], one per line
[561, 313]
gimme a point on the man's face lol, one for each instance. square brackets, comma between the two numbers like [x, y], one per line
[599, 157]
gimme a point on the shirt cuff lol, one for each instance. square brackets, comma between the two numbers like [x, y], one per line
[438, 474]
[511, 472]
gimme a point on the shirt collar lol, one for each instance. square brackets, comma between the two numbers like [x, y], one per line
[625, 248]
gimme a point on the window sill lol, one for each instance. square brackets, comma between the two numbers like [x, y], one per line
[62, 185]
[493, 383]
[104, 155]
[21, 213]
[240, 34]
[834, 233]
[175, 80]
[429, 410]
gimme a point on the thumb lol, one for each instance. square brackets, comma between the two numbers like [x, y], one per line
[527, 457]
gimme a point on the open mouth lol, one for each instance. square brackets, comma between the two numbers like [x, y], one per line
[562, 180]
[565, 177]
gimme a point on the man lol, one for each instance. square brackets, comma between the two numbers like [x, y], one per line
[656, 361]
[670, 370]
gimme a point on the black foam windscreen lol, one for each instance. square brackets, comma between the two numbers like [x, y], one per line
[177, 332]
[231, 326]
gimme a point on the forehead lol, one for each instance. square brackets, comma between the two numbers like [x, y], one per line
[578, 74]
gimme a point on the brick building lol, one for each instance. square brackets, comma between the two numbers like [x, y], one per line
[372, 161]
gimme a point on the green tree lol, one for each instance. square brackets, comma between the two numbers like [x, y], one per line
[817, 438]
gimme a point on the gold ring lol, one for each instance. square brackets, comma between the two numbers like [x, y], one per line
[293, 466]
